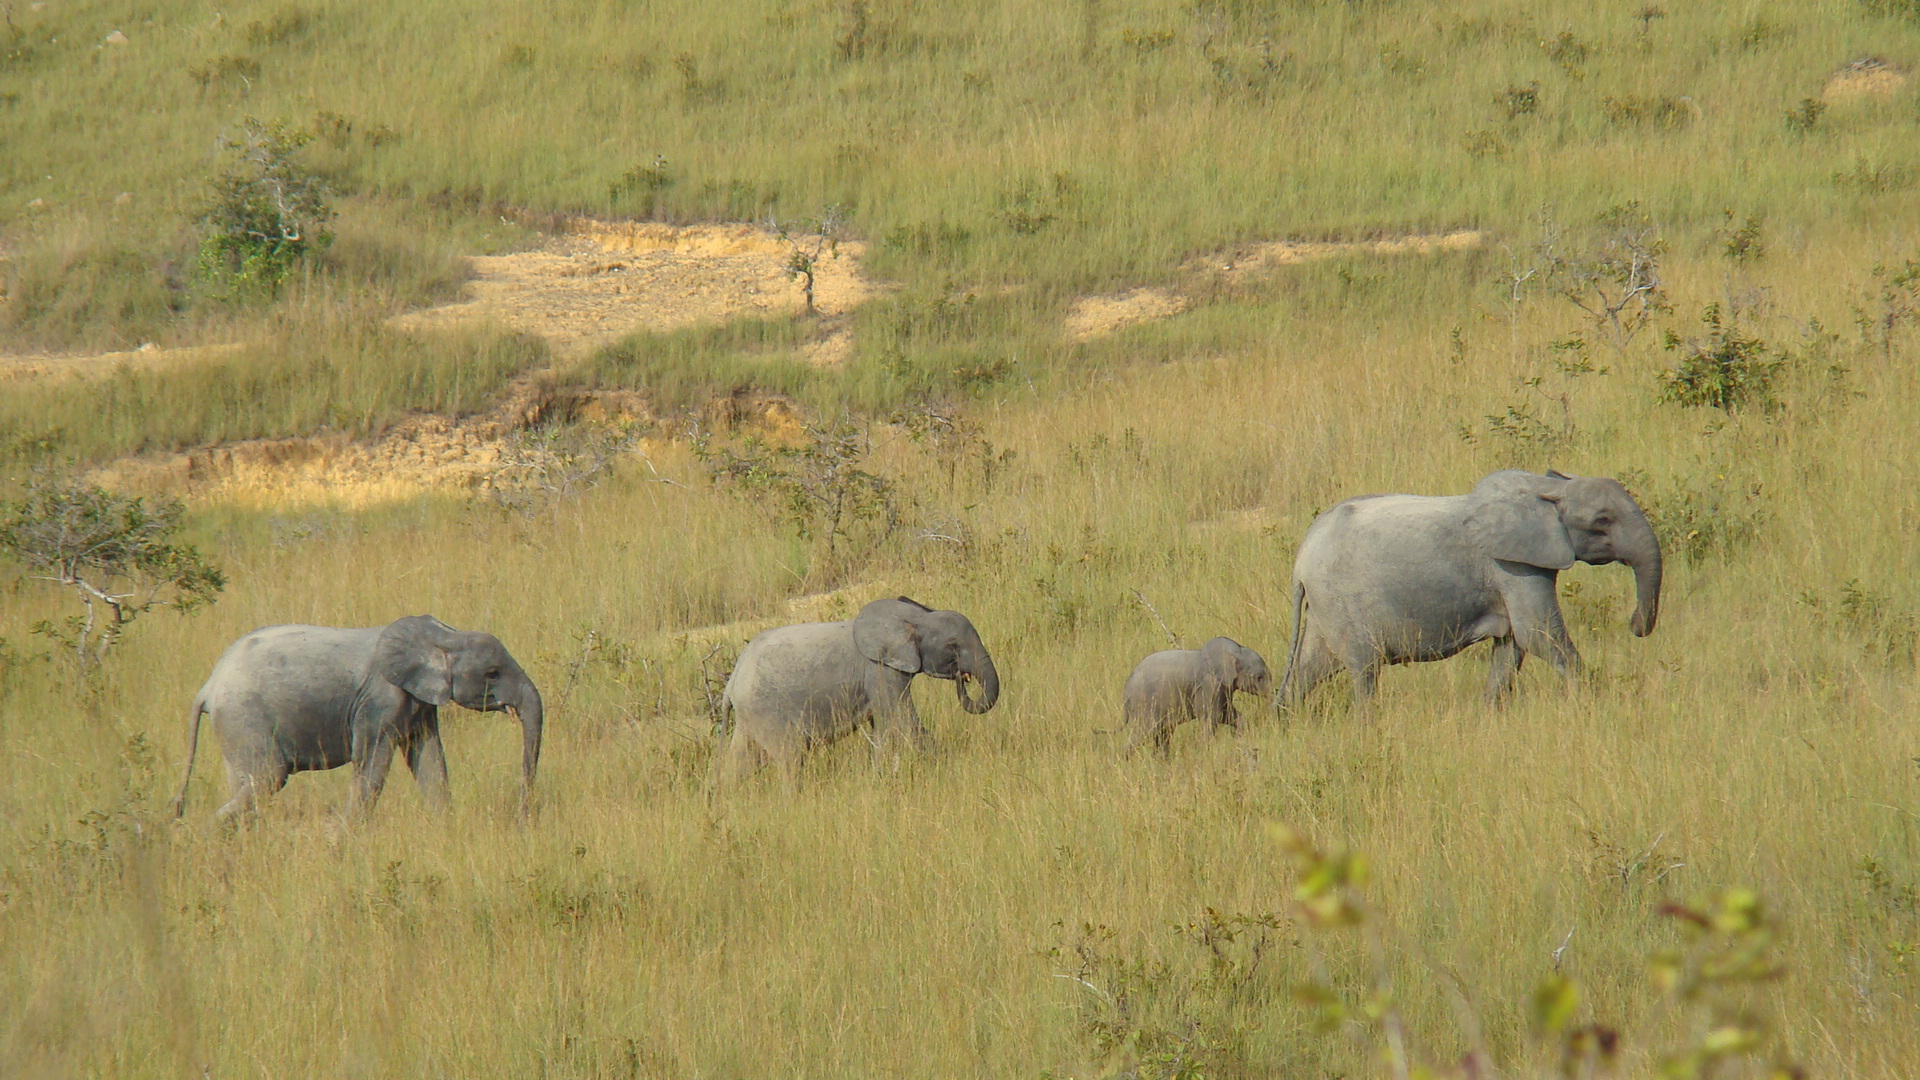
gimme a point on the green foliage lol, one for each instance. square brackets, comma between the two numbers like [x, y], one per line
[1805, 116]
[803, 255]
[643, 187]
[1745, 242]
[1888, 629]
[1187, 1017]
[550, 463]
[1713, 978]
[1894, 303]
[1610, 270]
[1699, 515]
[1632, 110]
[264, 214]
[116, 553]
[821, 484]
[1893, 9]
[1727, 369]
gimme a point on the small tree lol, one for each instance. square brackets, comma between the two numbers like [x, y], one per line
[821, 486]
[264, 214]
[803, 256]
[115, 552]
[1614, 277]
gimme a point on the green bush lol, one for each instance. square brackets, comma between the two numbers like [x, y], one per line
[264, 215]
[1727, 370]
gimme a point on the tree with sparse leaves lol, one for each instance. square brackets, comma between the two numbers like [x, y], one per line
[264, 214]
[116, 553]
[803, 256]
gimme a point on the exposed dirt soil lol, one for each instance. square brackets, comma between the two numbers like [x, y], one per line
[1868, 76]
[1093, 317]
[419, 455]
[601, 280]
[1097, 316]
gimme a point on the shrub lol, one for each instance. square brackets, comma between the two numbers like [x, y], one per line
[1727, 370]
[1806, 116]
[1634, 111]
[821, 485]
[264, 215]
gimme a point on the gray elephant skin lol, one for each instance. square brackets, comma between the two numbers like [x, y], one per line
[289, 699]
[1169, 688]
[798, 687]
[1397, 579]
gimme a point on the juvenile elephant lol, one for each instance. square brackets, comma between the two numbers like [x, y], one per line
[1396, 579]
[1169, 688]
[798, 687]
[288, 699]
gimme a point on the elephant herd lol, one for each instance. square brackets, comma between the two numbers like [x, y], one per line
[1377, 580]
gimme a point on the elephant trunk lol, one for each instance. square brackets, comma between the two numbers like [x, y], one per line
[1646, 585]
[989, 680]
[531, 716]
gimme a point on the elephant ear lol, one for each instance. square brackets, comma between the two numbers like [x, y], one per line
[416, 655]
[1521, 527]
[886, 632]
[1219, 664]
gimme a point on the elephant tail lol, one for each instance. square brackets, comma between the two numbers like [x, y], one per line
[723, 723]
[1293, 650]
[193, 748]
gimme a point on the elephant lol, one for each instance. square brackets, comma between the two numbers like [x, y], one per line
[1397, 579]
[807, 685]
[1171, 687]
[289, 699]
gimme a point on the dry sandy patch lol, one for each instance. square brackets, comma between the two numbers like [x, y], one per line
[1866, 77]
[601, 280]
[1092, 317]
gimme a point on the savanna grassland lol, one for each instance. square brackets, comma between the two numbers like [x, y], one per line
[1025, 902]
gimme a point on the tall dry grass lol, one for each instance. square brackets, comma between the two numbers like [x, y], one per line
[901, 924]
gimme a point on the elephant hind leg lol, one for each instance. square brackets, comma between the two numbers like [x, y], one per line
[249, 789]
[740, 758]
[1316, 665]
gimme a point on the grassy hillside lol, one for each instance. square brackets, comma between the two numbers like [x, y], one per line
[984, 911]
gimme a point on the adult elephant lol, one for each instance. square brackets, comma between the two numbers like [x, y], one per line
[798, 687]
[1397, 579]
[289, 699]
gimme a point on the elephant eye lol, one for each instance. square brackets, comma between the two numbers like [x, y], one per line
[1602, 521]
[492, 674]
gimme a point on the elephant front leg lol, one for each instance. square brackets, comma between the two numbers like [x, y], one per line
[1507, 658]
[897, 729]
[1538, 627]
[370, 775]
[428, 761]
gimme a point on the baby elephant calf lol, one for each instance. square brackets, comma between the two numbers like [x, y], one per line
[1169, 688]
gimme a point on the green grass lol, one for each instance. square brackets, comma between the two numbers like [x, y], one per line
[310, 375]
